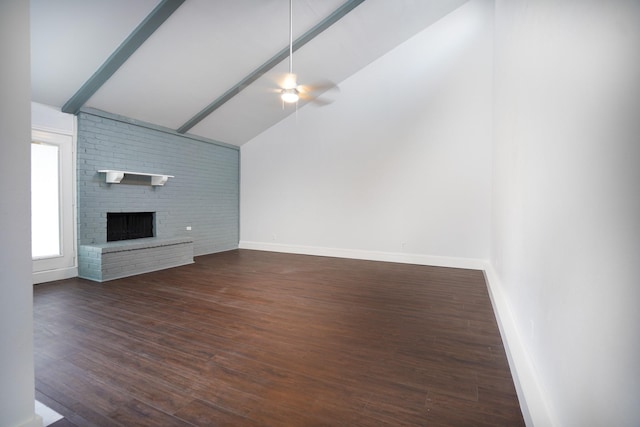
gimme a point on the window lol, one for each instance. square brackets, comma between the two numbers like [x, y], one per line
[45, 200]
[52, 206]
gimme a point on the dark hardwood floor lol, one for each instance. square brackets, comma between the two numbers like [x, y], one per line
[258, 338]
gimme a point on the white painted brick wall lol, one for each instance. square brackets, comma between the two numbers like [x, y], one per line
[203, 194]
[108, 261]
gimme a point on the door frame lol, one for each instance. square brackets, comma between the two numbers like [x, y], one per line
[66, 265]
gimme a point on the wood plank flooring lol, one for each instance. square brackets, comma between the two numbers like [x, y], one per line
[246, 338]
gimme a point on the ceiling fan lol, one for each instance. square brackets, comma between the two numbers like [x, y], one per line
[290, 91]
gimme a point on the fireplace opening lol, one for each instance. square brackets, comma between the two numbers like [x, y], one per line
[129, 225]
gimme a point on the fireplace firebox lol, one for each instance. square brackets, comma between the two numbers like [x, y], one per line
[129, 225]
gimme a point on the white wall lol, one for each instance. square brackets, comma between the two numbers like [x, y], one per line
[51, 119]
[566, 209]
[16, 305]
[397, 168]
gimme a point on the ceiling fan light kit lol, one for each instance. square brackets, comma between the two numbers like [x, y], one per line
[290, 95]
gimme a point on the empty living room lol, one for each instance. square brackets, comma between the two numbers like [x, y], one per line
[304, 213]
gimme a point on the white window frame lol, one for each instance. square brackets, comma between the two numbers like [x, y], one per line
[65, 265]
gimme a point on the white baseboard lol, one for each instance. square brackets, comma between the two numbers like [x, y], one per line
[404, 258]
[51, 275]
[36, 421]
[535, 406]
[48, 415]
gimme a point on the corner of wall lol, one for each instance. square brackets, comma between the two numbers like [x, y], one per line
[533, 401]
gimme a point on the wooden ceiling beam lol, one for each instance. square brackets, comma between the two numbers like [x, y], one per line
[142, 32]
[334, 17]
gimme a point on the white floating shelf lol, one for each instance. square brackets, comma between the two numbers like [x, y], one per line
[114, 177]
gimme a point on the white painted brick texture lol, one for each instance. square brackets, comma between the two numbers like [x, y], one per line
[203, 195]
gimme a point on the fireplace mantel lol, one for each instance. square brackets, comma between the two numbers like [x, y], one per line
[115, 176]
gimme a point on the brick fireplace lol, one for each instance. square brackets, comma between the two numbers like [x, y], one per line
[195, 212]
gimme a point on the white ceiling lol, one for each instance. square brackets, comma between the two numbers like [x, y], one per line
[206, 47]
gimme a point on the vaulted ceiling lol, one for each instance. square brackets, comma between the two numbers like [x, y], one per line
[211, 68]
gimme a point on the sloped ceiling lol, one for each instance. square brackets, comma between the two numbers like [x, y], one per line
[205, 48]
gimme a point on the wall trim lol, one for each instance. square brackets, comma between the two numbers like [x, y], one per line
[533, 401]
[48, 415]
[36, 421]
[51, 275]
[403, 258]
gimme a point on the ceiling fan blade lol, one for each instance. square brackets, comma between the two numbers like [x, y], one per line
[320, 93]
[319, 101]
[319, 87]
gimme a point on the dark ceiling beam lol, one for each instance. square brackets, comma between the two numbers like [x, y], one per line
[142, 32]
[275, 60]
